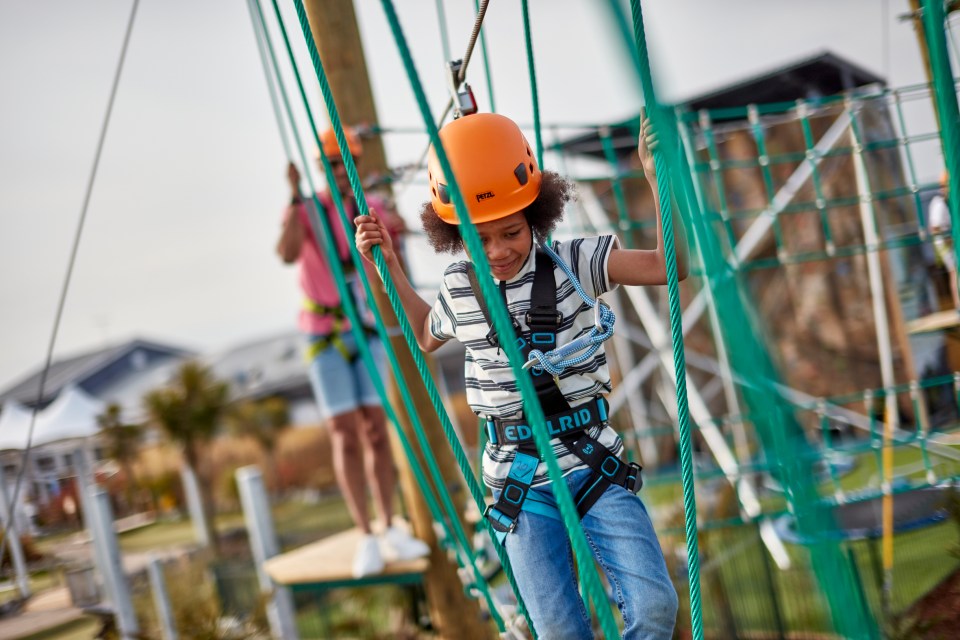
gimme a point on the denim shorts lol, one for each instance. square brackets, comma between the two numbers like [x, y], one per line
[340, 386]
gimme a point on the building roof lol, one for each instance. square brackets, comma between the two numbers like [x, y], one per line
[273, 365]
[818, 76]
[83, 369]
[824, 74]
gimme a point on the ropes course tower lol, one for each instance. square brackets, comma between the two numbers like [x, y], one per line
[806, 344]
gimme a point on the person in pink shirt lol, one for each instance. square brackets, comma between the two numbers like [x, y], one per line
[342, 386]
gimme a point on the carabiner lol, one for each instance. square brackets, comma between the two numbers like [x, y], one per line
[597, 312]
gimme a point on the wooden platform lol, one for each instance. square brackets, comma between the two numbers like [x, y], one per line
[327, 563]
[948, 319]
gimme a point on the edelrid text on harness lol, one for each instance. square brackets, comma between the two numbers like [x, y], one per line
[569, 425]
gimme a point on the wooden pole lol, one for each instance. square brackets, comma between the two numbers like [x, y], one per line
[453, 614]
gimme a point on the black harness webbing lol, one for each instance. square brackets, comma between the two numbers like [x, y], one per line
[569, 425]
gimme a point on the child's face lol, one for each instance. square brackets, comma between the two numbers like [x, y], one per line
[506, 243]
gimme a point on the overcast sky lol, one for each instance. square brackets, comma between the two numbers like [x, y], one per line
[178, 244]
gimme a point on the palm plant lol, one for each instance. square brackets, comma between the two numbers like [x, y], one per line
[263, 420]
[123, 444]
[190, 410]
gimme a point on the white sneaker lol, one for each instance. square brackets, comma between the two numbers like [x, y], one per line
[400, 545]
[367, 560]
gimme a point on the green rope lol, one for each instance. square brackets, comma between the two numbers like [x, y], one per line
[442, 21]
[534, 94]
[504, 327]
[917, 203]
[716, 172]
[616, 183]
[486, 61]
[464, 553]
[676, 324]
[407, 331]
[258, 32]
[814, 161]
[323, 234]
[934, 22]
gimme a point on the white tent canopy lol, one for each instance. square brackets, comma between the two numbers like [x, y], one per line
[72, 415]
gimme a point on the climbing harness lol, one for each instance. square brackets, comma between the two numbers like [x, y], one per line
[569, 424]
[334, 337]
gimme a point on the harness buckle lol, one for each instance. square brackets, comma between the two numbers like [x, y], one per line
[543, 318]
[634, 481]
[497, 518]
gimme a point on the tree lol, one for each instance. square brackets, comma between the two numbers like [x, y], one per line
[190, 410]
[262, 420]
[123, 444]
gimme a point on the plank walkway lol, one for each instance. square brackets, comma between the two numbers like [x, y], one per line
[327, 563]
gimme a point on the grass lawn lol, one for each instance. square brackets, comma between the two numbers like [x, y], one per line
[39, 581]
[293, 520]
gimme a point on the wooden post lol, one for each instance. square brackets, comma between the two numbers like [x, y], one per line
[453, 614]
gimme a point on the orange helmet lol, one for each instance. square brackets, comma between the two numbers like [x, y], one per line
[495, 168]
[328, 140]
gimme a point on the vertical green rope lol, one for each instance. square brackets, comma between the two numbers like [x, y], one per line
[503, 326]
[258, 32]
[464, 550]
[324, 236]
[534, 93]
[803, 112]
[486, 61]
[716, 172]
[763, 159]
[919, 410]
[934, 22]
[828, 445]
[616, 183]
[911, 168]
[676, 324]
[875, 438]
[442, 21]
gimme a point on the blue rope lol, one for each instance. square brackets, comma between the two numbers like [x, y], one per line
[556, 360]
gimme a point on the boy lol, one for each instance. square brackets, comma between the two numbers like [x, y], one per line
[512, 203]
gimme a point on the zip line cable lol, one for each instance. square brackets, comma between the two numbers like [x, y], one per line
[71, 261]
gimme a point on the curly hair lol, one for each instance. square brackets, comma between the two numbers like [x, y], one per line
[543, 215]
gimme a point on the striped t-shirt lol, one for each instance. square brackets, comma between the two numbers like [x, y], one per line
[492, 388]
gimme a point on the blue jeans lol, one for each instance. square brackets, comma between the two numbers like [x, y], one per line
[621, 536]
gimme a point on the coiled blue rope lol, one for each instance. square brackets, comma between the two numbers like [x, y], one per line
[556, 360]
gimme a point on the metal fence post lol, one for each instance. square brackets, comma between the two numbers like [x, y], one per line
[263, 544]
[161, 599]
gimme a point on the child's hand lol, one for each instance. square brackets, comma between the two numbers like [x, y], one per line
[293, 178]
[370, 233]
[646, 145]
